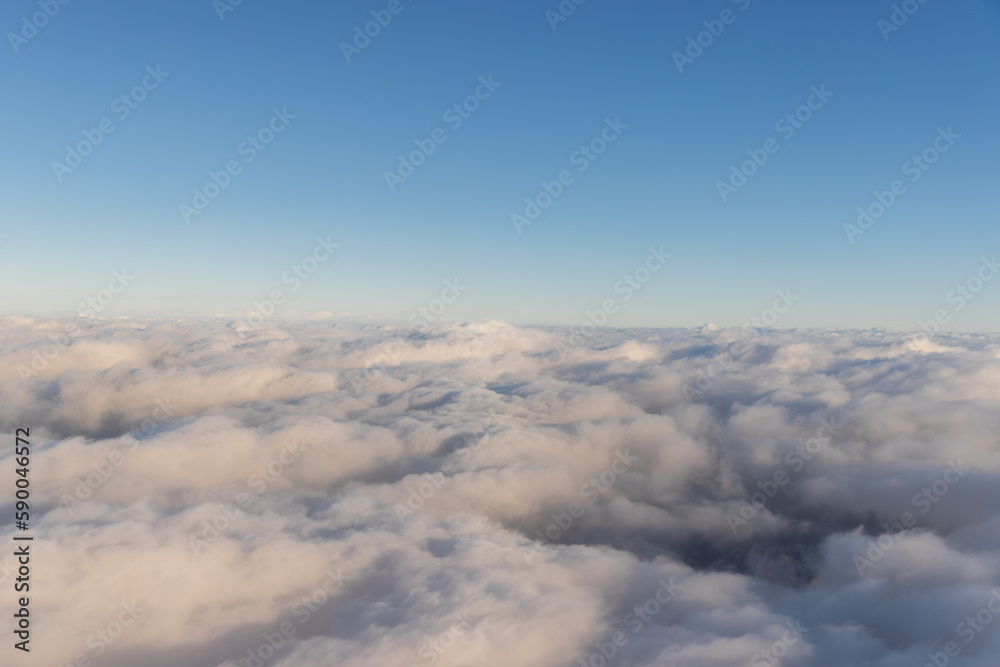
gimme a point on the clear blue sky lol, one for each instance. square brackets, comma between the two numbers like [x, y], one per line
[324, 174]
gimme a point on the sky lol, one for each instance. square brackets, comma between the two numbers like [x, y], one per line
[216, 74]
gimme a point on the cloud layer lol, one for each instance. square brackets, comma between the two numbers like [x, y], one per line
[310, 494]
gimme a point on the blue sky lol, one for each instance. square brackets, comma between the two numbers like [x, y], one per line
[323, 175]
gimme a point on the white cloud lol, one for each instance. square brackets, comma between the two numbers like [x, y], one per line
[458, 495]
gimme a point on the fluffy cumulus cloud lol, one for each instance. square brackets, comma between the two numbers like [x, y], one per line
[313, 494]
